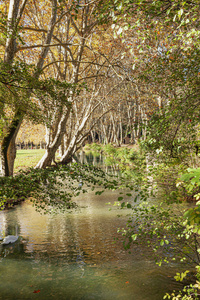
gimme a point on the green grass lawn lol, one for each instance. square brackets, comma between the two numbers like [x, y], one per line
[27, 158]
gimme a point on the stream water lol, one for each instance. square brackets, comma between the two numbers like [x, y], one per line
[73, 256]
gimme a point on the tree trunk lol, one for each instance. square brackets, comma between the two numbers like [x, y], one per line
[47, 158]
[52, 146]
[92, 136]
[8, 148]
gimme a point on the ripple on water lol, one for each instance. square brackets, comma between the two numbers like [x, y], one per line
[73, 256]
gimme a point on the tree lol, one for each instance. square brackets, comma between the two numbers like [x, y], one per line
[16, 10]
[77, 59]
[8, 143]
[163, 39]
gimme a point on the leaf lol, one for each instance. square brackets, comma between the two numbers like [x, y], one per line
[120, 198]
[119, 31]
[181, 276]
[36, 291]
[134, 237]
[99, 192]
[123, 205]
[162, 242]
[180, 12]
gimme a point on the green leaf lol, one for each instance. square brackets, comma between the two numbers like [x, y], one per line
[134, 237]
[123, 205]
[162, 242]
[180, 12]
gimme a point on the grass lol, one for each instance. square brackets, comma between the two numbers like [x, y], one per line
[27, 158]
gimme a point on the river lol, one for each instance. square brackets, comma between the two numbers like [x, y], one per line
[73, 255]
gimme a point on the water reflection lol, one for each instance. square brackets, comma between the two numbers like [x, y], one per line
[98, 160]
[73, 256]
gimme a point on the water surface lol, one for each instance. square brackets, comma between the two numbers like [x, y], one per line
[74, 256]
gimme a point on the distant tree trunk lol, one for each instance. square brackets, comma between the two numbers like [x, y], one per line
[92, 136]
[116, 140]
[121, 132]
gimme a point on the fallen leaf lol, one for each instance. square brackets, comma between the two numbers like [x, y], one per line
[35, 292]
[127, 282]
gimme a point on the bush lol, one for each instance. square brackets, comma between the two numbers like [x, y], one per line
[110, 150]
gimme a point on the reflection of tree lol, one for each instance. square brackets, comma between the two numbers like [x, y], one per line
[10, 223]
[13, 250]
[71, 240]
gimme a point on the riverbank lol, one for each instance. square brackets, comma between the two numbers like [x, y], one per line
[29, 158]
